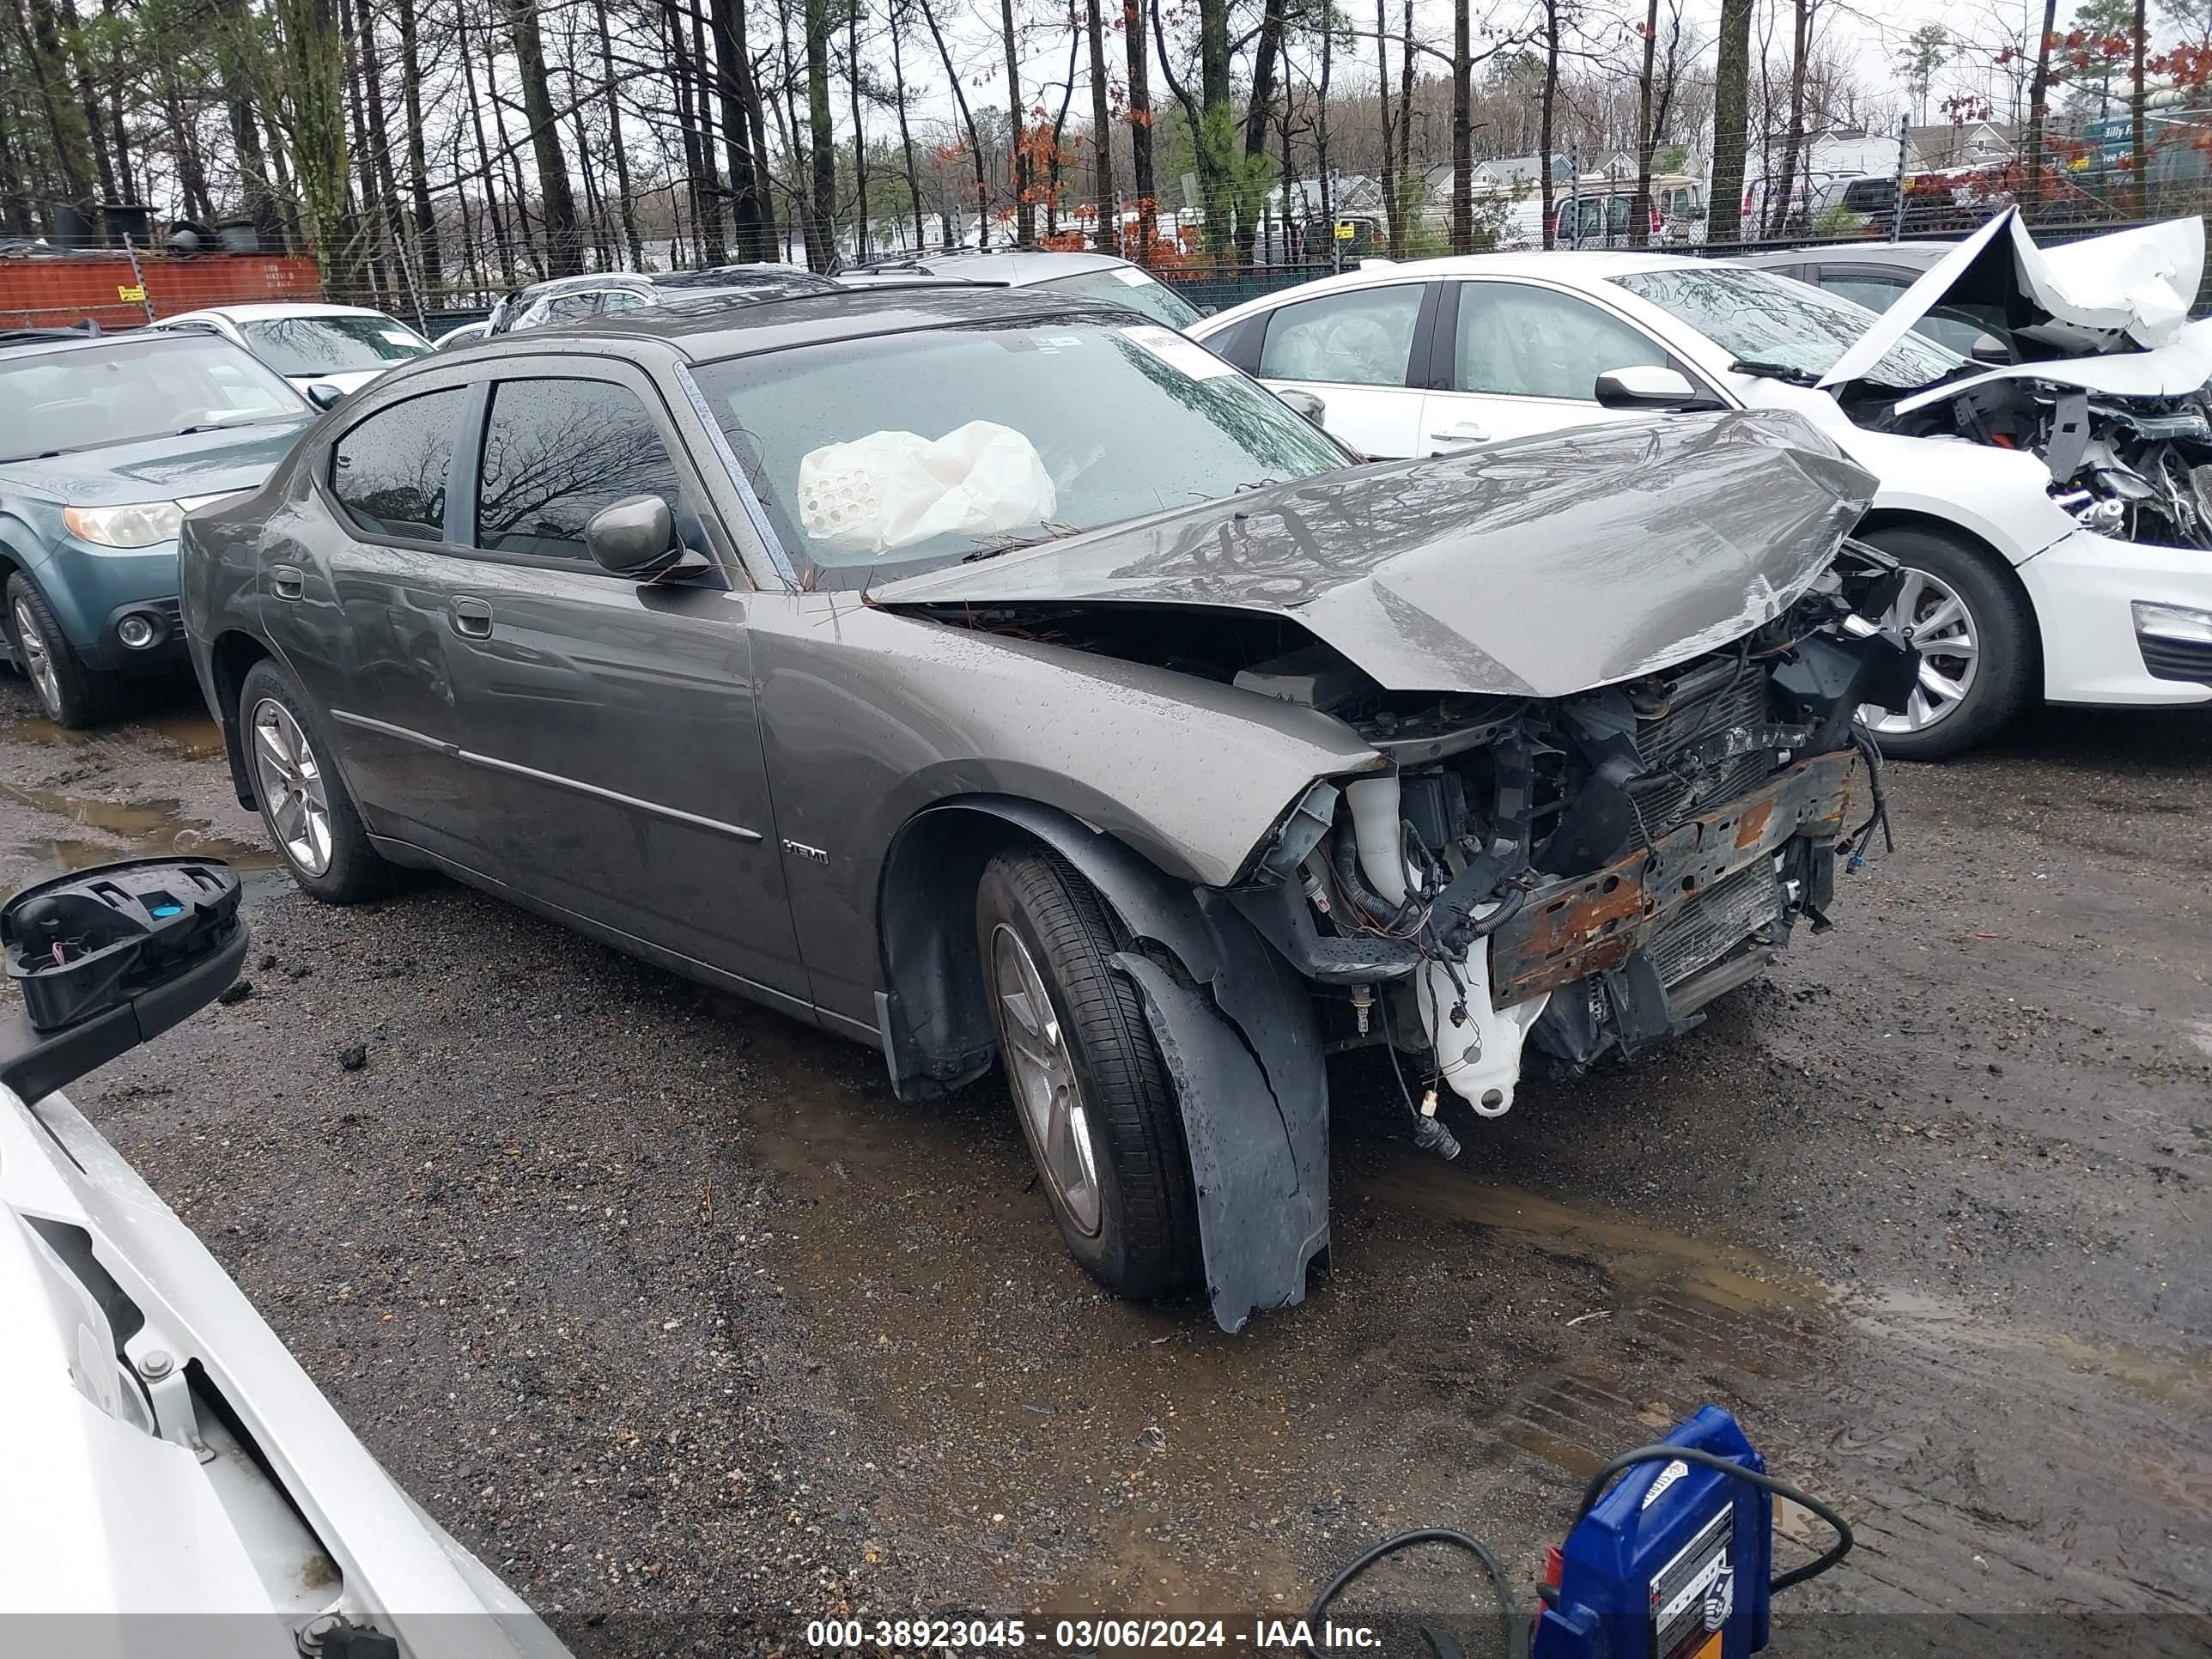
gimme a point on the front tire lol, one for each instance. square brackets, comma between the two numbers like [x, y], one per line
[1977, 635]
[1096, 1106]
[305, 807]
[71, 694]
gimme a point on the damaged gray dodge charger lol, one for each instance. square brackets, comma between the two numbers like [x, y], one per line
[1000, 679]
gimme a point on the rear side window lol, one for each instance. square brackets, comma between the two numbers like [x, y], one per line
[554, 452]
[1359, 337]
[389, 472]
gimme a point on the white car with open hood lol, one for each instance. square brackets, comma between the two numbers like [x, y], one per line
[2056, 516]
[170, 1481]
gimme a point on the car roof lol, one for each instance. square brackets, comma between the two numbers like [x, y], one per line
[731, 276]
[1919, 254]
[70, 340]
[275, 310]
[708, 330]
[1012, 266]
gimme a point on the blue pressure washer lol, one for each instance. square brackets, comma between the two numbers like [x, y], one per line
[1673, 1562]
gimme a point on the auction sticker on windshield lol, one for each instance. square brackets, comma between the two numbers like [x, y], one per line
[1171, 348]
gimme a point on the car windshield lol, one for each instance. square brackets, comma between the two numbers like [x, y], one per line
[1759, 318]
[52, 403]
[1125, 285]
[332, 345]
[888, 456]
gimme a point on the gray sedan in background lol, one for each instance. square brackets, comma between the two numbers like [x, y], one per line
[998, 677]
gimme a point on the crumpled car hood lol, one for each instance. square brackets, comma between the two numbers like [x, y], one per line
[2181, 366]
[1538, 568]
[2099, 295]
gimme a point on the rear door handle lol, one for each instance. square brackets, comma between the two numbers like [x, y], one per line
[288, 581]
[472, 618]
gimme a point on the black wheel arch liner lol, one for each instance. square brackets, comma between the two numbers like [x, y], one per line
[1235, 1024]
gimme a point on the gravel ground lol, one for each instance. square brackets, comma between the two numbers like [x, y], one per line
[668, 1309]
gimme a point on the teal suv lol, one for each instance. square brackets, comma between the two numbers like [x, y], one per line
[105, 443]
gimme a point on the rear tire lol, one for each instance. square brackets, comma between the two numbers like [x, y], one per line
[71, 694]
[310, 817]
[1096, 1106]
[1960, 595]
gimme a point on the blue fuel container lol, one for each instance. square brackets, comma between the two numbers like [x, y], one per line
[1672, 1564]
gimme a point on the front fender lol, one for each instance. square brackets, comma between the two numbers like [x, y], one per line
[1236, 1028]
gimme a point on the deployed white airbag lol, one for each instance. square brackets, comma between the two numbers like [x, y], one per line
[895, 488]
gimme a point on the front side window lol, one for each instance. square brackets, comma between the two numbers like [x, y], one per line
[554, 452]
[1126, 285]
[1757, 317]
[885, 457]
[165, 385]
[1521, 342]
[389, 472]
[1359, 337]
[332, 345]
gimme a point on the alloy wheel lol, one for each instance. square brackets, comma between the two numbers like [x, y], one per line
[290, 778]
[37, 658]
[1045, 1085]
[1930, 614]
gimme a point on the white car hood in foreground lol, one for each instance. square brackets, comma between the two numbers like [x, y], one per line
[123, 1501]
[2088, 296]
[2175, 369]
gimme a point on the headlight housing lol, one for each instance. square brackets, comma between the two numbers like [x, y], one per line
[141, 524]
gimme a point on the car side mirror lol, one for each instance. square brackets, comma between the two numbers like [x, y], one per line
[111, 958]
[1990, 349]
[1306, 404]
[635, 536]
[323, 395]
[1650, 386]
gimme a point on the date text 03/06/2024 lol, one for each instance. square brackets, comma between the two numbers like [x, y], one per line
[1087, 1635]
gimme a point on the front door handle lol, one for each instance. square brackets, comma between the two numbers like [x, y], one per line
[288, 581]
[472, 618]
[1466, 432]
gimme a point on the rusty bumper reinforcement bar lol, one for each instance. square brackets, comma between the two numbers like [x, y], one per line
[1587, 924]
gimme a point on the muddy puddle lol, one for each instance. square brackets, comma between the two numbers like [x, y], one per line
[146, 828]
[1464, 1324]
[190, 735]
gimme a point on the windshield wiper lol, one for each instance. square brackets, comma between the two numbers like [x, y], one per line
[1015, 544]
[1790, 373]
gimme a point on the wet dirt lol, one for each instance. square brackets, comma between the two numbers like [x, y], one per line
[1926, 1209]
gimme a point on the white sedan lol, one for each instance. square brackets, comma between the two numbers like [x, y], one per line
[2017, 587]
[345, 347]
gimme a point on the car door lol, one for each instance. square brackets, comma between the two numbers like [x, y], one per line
[1354, 349]
[355, 572]
[612, 723]
[1519, 358]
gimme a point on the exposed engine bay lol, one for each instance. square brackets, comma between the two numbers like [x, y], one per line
[1574, 878]
[2136, 468]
